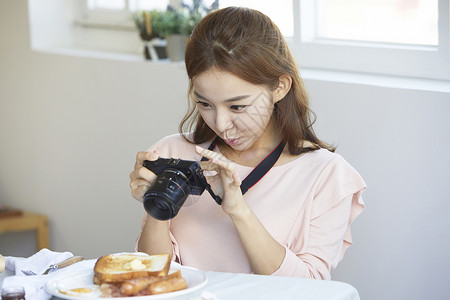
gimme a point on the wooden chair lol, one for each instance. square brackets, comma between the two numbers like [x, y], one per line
[22, 221]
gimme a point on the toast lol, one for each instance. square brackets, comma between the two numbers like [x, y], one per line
[121, 267]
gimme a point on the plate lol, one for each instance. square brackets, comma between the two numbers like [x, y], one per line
[83, 280]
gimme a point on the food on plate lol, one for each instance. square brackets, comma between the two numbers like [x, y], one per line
[78, 291]
[165, 286]
[90, 291]
[123, 275]
[134, 286]
[145, 286]
[120, 267]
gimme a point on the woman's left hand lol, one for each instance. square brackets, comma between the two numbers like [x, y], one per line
[226, 183]
[264, 252]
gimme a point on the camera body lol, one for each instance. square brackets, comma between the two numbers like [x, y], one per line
[176, 179]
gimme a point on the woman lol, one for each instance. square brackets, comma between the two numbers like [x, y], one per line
[245, 89]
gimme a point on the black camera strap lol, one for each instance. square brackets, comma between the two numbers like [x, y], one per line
[260, 170]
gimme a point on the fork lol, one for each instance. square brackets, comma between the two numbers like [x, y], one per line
[28, 272]
[64, 263]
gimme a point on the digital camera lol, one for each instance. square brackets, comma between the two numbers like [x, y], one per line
[176, 179]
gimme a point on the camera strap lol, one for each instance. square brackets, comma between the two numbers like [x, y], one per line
[260, 170]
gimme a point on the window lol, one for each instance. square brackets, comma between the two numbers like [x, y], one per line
[107, 4]
[412, 22]
[409, 38]
[276, 11]
[279, 11]
[395, 37]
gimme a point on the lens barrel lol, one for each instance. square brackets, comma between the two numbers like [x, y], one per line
[167, 194]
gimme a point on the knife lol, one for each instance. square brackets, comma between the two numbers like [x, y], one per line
[64, 263]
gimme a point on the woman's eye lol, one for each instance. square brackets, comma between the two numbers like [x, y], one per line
[203, 104]
[238, 107]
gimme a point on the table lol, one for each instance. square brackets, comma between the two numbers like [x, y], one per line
[248, 286]
[236, 286]
[28, 221]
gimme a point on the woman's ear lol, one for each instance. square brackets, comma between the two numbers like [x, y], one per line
[284, 85]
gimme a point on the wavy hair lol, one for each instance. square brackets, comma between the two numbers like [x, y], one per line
[247, 44]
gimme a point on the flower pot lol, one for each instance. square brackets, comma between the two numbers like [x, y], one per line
[176, 45]
[155, 49]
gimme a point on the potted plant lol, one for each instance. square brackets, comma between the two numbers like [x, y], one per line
[144, 21]
[173, 24]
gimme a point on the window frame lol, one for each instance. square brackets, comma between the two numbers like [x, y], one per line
[416, 61]
[431, 62]
[103, 15]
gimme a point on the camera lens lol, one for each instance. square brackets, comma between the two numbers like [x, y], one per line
[167, 194]
[161, 204]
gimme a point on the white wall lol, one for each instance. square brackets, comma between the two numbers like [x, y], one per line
[70, 128]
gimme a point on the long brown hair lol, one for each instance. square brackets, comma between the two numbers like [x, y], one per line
[247, 44]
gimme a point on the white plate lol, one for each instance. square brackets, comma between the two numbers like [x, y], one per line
[84, 279]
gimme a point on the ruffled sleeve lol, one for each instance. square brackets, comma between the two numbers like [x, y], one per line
[325, 228]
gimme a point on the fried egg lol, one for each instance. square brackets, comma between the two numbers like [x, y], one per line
[83, 292]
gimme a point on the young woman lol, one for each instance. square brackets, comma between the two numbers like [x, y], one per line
[247, 101]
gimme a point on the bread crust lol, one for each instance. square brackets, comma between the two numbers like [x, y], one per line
[121, 267]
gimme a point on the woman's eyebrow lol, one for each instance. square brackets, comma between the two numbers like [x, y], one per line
[200, 96]
[237, 98]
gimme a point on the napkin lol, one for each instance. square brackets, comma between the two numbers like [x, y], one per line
[35, 284]
[39, 262]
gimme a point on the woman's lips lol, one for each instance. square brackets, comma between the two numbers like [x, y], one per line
[231, 142]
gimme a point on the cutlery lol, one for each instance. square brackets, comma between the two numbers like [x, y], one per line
[64, 263]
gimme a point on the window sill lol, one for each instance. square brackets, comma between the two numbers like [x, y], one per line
[306, 73]
[78, 52]
[106, 55]
[420, 84]
[125, 25]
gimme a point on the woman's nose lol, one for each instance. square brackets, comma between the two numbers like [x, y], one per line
[224, 121]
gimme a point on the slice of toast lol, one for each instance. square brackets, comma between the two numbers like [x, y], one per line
[174, 273]
[120, 267]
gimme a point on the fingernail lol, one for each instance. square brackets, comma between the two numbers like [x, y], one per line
[198, 148]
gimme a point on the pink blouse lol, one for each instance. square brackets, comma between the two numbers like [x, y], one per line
[307, 205]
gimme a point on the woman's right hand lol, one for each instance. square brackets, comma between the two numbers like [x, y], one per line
[141, 178]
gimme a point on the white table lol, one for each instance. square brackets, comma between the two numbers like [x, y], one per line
[247, 286]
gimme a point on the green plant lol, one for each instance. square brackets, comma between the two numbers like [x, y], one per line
[172, 20]
[196, 12]
[145, 23]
